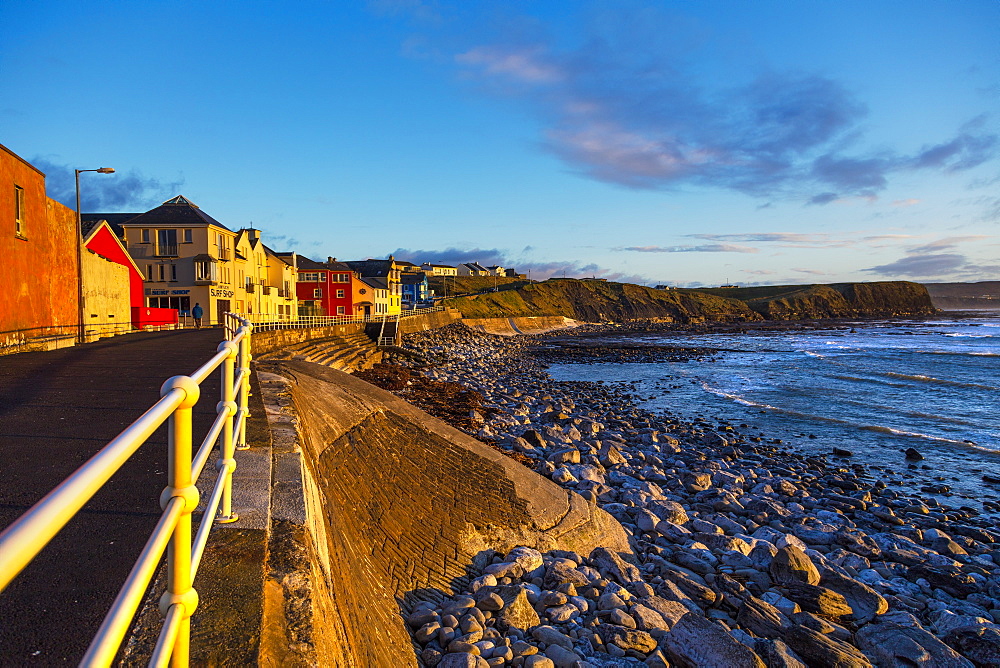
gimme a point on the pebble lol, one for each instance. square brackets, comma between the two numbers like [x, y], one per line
[745, 551]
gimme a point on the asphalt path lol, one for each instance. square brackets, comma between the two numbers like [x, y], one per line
[57, 409]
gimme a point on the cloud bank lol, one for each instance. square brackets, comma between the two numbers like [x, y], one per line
[105, 193]
[928, 261]
[620, 107]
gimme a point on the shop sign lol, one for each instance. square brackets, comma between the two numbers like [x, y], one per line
[159, 292]
[180, 292]
[218, 292]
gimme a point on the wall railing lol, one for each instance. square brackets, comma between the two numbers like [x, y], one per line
[263, 322]
[24, 539]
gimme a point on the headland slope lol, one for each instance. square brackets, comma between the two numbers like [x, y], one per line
[598, 301]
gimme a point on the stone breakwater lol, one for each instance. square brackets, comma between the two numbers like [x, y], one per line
[743, 553]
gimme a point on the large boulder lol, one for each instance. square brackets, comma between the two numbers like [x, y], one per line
[898, 639]
[979, 642]
[696, 642]
[791, 563]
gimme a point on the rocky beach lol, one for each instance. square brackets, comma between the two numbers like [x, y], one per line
[745, 552]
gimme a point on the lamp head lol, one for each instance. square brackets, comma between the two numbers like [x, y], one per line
[106, 170]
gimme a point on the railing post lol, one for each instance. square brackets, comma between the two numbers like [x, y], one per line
[227, 405]
[179, 589]
[245, 357]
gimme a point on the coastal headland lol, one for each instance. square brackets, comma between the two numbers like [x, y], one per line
[601, 301]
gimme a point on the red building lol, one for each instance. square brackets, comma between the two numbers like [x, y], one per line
[39, 271]
[325, 288]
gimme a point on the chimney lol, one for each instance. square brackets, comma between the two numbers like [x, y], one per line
[330, 260]
[254, 234]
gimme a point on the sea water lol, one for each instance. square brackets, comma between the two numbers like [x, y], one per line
[875, 389]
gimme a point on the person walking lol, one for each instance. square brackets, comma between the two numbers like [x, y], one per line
[197, 313]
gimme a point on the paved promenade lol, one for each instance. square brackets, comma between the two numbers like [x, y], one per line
[57, 409]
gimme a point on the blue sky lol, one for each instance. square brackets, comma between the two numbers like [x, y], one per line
[660, 142]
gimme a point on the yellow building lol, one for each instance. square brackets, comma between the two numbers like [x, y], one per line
[187, 258]
[388, 300]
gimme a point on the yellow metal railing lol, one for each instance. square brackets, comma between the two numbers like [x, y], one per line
[269, 322]
[25, 538]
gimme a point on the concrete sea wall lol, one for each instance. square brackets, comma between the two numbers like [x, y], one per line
[397, 507]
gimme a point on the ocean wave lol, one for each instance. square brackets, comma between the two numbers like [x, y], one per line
[920, 378]
[880, 429]
[926, 437]
[959, 353]
[960, 335]
[737, 398]
[877, 381]
[911, 414]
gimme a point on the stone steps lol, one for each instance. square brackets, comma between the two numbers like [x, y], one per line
[347, 352]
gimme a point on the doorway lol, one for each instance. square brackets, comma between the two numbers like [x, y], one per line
[221, 307]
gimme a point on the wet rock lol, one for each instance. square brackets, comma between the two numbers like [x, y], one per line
[627, 639]
[463, 660]
[562, 657]
[696, 642]
[517, 612]
[913, 455]
[979, 642]
[761, 618]
[617, 568]
[792, 564]
[777, 654]
[952, 581]
[898, 639]
[670, 511]
[865, 602]
[822, 651]
[821, 600]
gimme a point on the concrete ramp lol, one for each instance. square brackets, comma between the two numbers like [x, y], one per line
[521, 325]
[400, 507]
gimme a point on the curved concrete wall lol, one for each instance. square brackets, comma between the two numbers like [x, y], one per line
[522, 325]
[427, 321]
[401, 507]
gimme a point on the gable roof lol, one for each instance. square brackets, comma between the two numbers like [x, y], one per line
[307, 264]
[413, 279]
[176, 211]
[370, 267]
[95, 229]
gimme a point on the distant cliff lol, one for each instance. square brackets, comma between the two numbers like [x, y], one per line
[884, 299]
[965, 296]
[596, 301]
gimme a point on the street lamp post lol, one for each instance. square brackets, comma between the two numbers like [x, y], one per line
[81, 332]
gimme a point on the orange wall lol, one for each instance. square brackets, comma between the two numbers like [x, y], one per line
[39, 273]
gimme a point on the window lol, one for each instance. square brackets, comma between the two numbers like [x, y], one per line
[317, 293]
[173, 272]
[161, 271]
[166, 243]
[19, 211]
[187, 236]
[205, 270]
[144, 236]
[340, 310]
[309, 277]
[149, 272]
[340, 294]
[343, 278]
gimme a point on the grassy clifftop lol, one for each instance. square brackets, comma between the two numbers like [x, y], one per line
[836, 300]
[596, 301]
